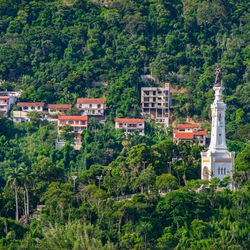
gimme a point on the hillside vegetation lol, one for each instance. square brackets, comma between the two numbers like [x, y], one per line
[57, 51]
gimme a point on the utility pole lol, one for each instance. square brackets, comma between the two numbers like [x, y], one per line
[109, 169]
[99, 178]
[74, 177]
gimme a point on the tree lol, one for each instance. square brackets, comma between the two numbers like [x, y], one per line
[14, 181]
[67, 133]
[27, 179]
[166, 182]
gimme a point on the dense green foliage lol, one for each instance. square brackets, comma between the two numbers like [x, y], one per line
[56, 51]
[187, 213]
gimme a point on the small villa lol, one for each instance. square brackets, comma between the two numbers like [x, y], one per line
[190, 133]
[130, 125]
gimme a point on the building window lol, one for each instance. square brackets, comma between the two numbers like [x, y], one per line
[218, 170]
[38, 108]
[205, 173]
[25, 108]
[224, 170]
[90, 105]
[32, 108]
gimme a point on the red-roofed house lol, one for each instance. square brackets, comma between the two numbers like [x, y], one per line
[130, 125]
[91, 106]
[79, 123]
[31, 106]
[190, 133]
[54, 109]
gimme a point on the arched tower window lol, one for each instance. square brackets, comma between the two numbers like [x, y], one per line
[220, 117]
[224, 170]
[205, 173]
[218, 170]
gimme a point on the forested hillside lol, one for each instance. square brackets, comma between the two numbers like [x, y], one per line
[58, 50]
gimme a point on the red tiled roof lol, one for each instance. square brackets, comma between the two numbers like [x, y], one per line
[188, 126]
[175, 131]
[90, 100]
[60, 106]
[185, 135]
[189, 135]
[201, 132]
[73, 118]
[4, 97]
[129, 120]
[29, 104]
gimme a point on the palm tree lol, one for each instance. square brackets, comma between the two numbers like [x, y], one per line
[27, 177]
[14, 181]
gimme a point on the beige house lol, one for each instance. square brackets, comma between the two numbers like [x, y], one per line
[31, 106]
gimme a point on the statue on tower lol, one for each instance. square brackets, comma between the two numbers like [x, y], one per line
[218, 80]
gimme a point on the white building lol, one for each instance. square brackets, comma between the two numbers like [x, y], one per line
[217, 162]
[7, 99]
[91, 106]
[130, 125]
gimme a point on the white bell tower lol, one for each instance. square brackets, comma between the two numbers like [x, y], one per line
[217, 162]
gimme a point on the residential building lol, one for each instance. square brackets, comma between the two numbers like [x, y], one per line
[156, 103]
[55, 109]
[91, 106]
[217, 162]
[130, 125]
[20, 116]
[16, 94]
[79, 123]
[6, 103]
[190, 133]
[31, 106]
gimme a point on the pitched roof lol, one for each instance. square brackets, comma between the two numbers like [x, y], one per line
[91, 100]
[189, 135]
[29, 104]
[185, 135]
[60, 106]
[4, 97]
[201, 132]
[73, 118]
[129, 120]
[188, 126]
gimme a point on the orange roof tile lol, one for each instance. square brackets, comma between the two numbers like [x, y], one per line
[73, 118]
[29, 104]
[129, 120]
[60, 106]
[90, 100]
[189, 135]
[188, 126]
[201, 132]
[4, 97]
[185, 135]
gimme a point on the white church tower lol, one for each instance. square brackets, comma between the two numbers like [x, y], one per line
[217, 162]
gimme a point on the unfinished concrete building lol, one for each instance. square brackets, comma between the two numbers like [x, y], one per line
[156, 103]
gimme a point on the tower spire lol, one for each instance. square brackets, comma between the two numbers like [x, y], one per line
[217, 161]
